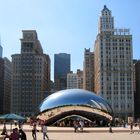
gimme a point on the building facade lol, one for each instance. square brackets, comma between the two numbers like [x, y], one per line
[1, 51]
[137, 89]
[75, 80]
[80, 78]
[1, 85]
[61, 68]
[134, 77]
[88, 70]
[113, 66]
[5, 85]
[30, 75]
[72, 80]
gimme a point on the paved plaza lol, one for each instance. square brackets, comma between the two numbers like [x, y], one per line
[67, 133]
[88, 136]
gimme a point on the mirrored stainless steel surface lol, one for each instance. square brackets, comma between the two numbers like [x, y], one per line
[74, 101]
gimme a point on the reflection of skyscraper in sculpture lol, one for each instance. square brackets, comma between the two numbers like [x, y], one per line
[61, 68]
[113, 65]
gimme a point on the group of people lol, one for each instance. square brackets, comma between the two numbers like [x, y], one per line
[134, 124]
[19, 134]
[44, 131]
[15, 135]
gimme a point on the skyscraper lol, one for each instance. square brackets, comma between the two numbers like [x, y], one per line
[61, 68]
[113, 65]
[137, 89]
[5, 85]
[75, 80]
[1, 84]
[31, 75]
[1, 50]
[80, 78]
[72, 80]
[88, 70]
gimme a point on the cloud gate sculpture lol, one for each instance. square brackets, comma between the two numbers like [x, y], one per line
[74, 102]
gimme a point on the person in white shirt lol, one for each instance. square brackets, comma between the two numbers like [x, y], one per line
[44, 130]
[81, 125]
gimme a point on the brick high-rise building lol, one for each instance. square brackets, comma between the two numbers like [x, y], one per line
[88, 70]
[30, 75]
[80, 78]
[113, 66]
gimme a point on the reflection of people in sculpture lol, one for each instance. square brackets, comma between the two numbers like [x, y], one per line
[58, 109]
[51, 114]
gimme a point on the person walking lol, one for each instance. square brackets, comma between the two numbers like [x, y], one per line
[22, 135]
[75, 123]
[81, 125]
[34, 130]
[138, 127]
[131, 128]
[110, 127]
[4, 130]
[44, 130]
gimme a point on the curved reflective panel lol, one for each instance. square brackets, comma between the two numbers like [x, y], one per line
[74, 102]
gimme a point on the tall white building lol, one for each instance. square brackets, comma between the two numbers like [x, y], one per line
[113, 65]
[72, 80]
[75, 80]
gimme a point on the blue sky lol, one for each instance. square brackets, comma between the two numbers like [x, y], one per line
[64, 26]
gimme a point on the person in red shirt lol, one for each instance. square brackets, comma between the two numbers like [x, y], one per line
[15, 135]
